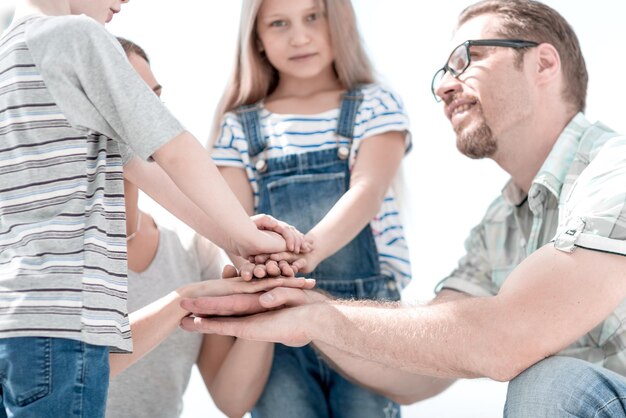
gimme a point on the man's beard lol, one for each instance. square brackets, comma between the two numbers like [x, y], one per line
[477, 142]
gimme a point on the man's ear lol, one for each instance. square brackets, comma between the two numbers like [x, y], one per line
[548, 63]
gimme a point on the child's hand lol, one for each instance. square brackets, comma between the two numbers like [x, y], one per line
[295, 240]
[249, 271]
[266, 268]
[236, 285]
[289, 263]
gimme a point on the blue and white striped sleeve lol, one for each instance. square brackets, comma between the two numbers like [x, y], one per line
[230, 147]
[381, 111]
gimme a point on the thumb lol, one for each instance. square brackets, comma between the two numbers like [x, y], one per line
[263, 221]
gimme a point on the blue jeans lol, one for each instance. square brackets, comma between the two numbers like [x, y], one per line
[566, 387]
[52, 377]
[304, 386]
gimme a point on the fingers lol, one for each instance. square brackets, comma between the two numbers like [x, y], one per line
[299, 265]
[286, 269]
[246, 271]
[263, 221]
[285, 255]
[285, 230]
[282, 296]
[229, 272]
[270, 283]
[202, 325]
[260, 258]
[259, 271]
[307, 245]
[240, 304]
[272, 269]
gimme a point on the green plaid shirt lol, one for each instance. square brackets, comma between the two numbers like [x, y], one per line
[578, 199]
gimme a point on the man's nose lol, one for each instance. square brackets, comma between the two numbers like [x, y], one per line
[447, 87]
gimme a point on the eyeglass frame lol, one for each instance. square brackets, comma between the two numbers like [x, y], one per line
[508, 43]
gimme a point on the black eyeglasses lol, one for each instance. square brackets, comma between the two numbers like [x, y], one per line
[460, 57]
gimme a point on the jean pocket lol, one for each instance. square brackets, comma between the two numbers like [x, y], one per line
[30, 373]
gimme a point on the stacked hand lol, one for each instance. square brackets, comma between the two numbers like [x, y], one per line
[267, 315]
[287, 263]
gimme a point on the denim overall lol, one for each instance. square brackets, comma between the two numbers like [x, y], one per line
[300, 189]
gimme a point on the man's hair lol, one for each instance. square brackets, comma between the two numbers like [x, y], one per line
[132, 48]
[534, 21]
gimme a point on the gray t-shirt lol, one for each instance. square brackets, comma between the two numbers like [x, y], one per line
[71, 108]
[154, 386]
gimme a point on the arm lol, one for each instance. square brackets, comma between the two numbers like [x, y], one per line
[237, 180]
[234, 370]
[190, 167]
[375, 167]
[548, 302]
[153, 323]
[403, 387]
[154, 181]
[399, 385]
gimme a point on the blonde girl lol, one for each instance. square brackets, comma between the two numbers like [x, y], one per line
[305, 134]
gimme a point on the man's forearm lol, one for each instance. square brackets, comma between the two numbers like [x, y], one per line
[435, 340]
[401, 386]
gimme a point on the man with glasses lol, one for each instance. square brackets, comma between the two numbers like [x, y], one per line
[538, 299]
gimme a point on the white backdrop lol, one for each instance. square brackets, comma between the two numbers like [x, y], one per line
[191, 46]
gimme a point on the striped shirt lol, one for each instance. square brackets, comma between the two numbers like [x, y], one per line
[381, 111]
[578, 199]
[68, 100]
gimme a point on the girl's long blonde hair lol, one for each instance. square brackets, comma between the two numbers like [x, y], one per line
[253, 77]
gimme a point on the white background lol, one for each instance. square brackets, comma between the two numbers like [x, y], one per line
[191, 45]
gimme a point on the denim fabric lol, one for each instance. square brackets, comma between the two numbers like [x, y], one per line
[566, 387]
[300, 189]
[52, 377]
[302, 385]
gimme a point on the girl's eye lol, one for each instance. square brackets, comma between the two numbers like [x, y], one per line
[312, 17]
[278, 24]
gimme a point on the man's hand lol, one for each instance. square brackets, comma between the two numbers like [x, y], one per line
[283, 326]
[248, 304]
[237, 285]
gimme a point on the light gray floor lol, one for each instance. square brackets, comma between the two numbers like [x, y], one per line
[479, 398]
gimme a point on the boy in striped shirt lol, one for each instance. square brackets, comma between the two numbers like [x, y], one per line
[73, 112]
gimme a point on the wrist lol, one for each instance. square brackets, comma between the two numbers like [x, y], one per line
[317, 317]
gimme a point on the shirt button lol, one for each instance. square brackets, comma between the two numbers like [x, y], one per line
[522, 243]
[391, 285]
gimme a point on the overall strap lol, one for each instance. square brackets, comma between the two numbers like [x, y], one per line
[251, 123]
[350, 103]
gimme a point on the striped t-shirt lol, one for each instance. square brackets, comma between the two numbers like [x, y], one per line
[381, 111]
[69, 102]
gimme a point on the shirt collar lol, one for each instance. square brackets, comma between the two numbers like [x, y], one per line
[552, 174]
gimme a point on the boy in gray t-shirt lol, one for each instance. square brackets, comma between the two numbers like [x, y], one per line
[72, 114]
